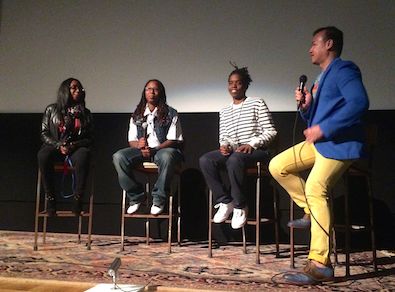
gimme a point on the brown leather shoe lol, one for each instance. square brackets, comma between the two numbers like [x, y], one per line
[317, 273]
[302, 223]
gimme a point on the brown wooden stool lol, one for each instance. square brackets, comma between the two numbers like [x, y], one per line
[41, 213]
[150, 170]
[259, 171]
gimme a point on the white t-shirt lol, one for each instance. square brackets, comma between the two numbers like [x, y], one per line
[174, 133]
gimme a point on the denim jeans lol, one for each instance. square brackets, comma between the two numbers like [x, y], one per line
[127, 159]
[235, 164]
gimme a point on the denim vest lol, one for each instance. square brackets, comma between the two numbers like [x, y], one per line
[160, 129]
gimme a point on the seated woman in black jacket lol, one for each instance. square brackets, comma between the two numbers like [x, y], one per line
[66, 132]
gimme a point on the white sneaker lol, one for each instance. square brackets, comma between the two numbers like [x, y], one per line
[223, 212]
[239, 218]
[156, 210]
[133, 208]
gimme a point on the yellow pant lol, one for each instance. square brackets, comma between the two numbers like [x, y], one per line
[325, 172]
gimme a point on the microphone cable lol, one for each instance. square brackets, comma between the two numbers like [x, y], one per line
[300, 179]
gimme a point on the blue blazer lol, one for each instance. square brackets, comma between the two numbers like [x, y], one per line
[338, 106]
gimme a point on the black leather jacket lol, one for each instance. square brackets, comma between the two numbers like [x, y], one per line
[50, 129]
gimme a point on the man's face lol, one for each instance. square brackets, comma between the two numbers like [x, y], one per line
[320, 47]
[236, 87]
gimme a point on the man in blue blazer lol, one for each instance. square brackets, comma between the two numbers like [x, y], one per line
[333, 110]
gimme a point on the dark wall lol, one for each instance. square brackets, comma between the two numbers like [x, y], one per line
[20, 142]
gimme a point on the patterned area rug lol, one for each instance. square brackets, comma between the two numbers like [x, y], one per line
[188, 266]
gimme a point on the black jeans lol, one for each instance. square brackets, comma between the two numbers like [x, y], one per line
[48, 155]
[235, 164]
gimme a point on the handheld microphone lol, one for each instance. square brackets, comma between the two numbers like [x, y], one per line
[302, 84]
[144, 125]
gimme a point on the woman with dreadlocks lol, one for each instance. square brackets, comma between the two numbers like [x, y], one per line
[245, 130]
[66, 132]
[154, 135]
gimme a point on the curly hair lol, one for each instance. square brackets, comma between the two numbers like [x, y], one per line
[242, 72]
[162, 106]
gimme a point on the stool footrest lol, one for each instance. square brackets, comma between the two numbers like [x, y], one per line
[354, 227]
[148, 216]
[64, 213]
[249, 221]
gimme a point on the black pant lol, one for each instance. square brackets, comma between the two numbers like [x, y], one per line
[235, 164]
[48, 155]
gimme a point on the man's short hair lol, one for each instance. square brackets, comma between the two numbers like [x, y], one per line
[334, 34]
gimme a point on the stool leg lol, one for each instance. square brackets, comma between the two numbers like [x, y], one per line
[79, 228]
[45, 225]
[147, 231]
[90, 214]
[372, 231]
[170, 221]
[179, 230]
[291, 236]
[335, 245]
[258, 215]
[123, 219]
[35, 247]
[244, 239]
[147, 191]
[276, 223]
[179, 211]
[347, 231]
[210, 215]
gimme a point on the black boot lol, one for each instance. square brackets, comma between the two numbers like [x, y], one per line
[77, 205]
[51, 205]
